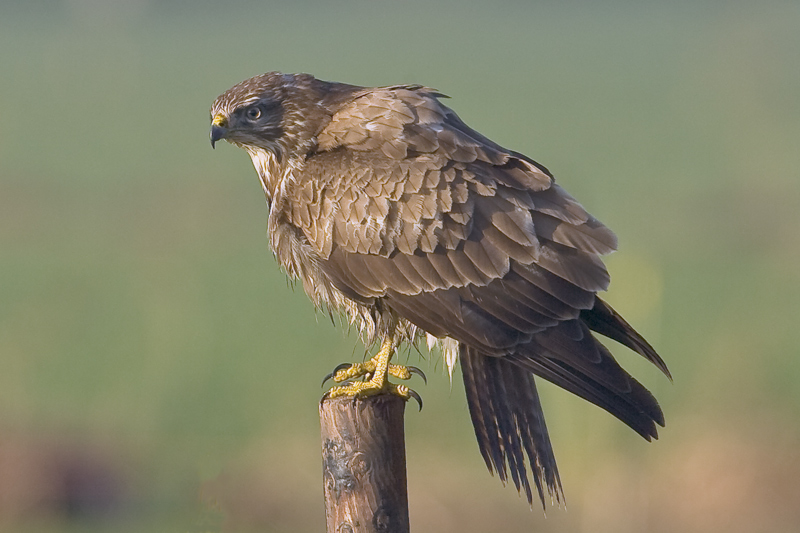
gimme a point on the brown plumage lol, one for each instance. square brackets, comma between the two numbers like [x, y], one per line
[390, 209]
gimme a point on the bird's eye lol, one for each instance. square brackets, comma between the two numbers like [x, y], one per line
[254, 113]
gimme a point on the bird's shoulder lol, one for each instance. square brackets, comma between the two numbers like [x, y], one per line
[407, 121]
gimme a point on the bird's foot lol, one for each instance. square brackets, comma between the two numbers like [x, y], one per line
[347, 371]
[364, 389]
[374, 382]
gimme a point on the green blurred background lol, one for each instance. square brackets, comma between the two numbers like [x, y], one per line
[157, 373]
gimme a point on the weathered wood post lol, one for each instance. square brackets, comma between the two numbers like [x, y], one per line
[364, 465]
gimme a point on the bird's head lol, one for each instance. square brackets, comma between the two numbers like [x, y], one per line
[251, 113]
[275, 113]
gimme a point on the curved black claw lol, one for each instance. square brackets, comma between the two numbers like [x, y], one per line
[416, 396]
[417, 371]
[335, 370]
[324, 397]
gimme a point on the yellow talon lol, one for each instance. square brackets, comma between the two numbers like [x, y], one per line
[375, 372]
[367, 369]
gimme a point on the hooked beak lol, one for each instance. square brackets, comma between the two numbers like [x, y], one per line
[218, 129]
[217, 133]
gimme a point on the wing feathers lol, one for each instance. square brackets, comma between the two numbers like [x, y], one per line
[604, 320]
[581, 269]
[591, 236]
[583, 386]
[557, 202]
[556, 286]
[491, 264]
[510, 311]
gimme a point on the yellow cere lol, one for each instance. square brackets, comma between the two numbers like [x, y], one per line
[219, 120]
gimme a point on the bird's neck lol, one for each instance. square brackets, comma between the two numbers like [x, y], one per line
[269, 170]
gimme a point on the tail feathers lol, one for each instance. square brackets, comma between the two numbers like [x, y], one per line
[583, 366]
[508, 418]
[604, 320]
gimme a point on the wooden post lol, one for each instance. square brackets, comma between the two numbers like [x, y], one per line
[364, 465]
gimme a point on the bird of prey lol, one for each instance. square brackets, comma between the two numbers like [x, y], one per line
[390, 209]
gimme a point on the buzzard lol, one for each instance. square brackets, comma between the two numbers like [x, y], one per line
[390, 209]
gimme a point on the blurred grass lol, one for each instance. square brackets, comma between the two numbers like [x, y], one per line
[141, 311]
